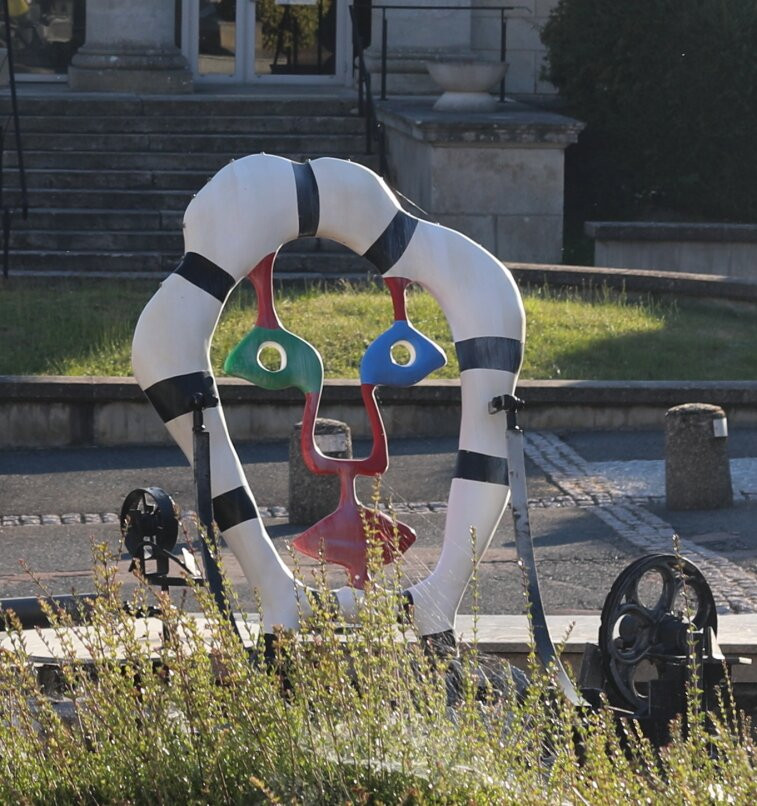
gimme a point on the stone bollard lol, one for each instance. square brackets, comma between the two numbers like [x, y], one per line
[697, 470]
[313, 496]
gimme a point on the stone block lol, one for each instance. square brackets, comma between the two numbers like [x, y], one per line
[480, 228]
[521, 75]
[697, 469]
[411, 27]
[38, 424]
[124, 422]
[410, 162]
[130, 48]
[313, 496]
[529, 239]
[519, 181]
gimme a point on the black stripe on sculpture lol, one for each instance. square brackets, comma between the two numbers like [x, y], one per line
[172, 397]
[489, 352]
[391, 244]
[308, 200]
[481, 467]
[206, 275]
[233, 507]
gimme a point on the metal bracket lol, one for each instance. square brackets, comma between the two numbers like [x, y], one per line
[516, 463]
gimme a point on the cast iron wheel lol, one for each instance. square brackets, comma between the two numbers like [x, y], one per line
[149, 519]
[645, 623]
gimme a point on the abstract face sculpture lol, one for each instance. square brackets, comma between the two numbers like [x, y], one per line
[233, 228]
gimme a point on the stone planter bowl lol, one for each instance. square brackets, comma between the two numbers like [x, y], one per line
[466, 82]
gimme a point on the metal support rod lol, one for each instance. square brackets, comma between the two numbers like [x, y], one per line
[369, 128]
[31, 614]
[502, 51]
[14, 107]
[516, 464]
[384, 37]
[201, 456]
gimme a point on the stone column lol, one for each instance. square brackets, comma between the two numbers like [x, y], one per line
[313, 496]
[697, 469]
[130, 47]
[496, 177]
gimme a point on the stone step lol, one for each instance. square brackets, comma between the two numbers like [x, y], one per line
[103, 199]
[96, 179]
[215, 124]
[109, 176]
[64, 223]
[198, 106]
[92, 219]
[189, 144]
[81, 261]
[157, 161]
[166, 241]
[97, 239]
[85, 179]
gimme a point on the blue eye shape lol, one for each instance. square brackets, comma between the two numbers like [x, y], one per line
[380, 368]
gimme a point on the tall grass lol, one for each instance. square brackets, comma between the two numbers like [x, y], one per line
[342, 714]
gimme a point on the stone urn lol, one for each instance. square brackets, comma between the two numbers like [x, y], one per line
[466, 81]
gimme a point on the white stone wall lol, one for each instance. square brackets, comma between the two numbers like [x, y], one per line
[525, 52]
[414, 35]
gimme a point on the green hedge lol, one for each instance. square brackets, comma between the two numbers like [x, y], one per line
[668, 89]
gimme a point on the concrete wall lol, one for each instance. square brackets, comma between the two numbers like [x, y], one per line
[525, 52]
[413, 36]
[714, 249]
[496, 177]
[57, 412]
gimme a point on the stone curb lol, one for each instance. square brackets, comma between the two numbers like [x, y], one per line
[638, 280]
[62, 411]
[62, 389]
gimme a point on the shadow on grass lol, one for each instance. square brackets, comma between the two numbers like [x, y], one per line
[705, 340]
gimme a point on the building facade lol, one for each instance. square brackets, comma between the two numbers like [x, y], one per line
[160, 45]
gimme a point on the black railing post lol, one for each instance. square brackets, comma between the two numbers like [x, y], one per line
[374, 131]
[14, 106]
[502, 50]
[201, 462]
[357, 46]
[384, 37]
[6, 213]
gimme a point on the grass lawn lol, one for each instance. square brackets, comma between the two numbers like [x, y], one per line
[84, 327]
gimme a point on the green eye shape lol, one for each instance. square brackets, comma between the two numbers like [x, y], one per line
[301, 364]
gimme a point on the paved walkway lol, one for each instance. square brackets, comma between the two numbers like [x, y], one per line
[597, 503]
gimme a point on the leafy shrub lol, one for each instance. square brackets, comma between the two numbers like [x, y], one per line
[668, 89]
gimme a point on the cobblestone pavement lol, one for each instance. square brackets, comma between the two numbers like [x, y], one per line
[734, 588]
[624, 495]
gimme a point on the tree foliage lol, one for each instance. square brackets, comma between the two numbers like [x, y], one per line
[668, 89]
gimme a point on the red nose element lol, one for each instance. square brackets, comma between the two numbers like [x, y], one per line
[343, 537]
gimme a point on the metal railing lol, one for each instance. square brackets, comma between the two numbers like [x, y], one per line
[7, 212]
[385, 31]
[374, 129]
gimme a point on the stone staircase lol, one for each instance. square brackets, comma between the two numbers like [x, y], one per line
[109, 177]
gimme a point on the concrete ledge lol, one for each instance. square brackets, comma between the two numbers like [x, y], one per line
[671, 231]
[708, 248]
[512, 124]
[61, 411]
[509, 636]
[504, 635]
[681, 283]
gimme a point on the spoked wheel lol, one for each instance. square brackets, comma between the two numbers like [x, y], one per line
[645, 623]
[149, 521]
